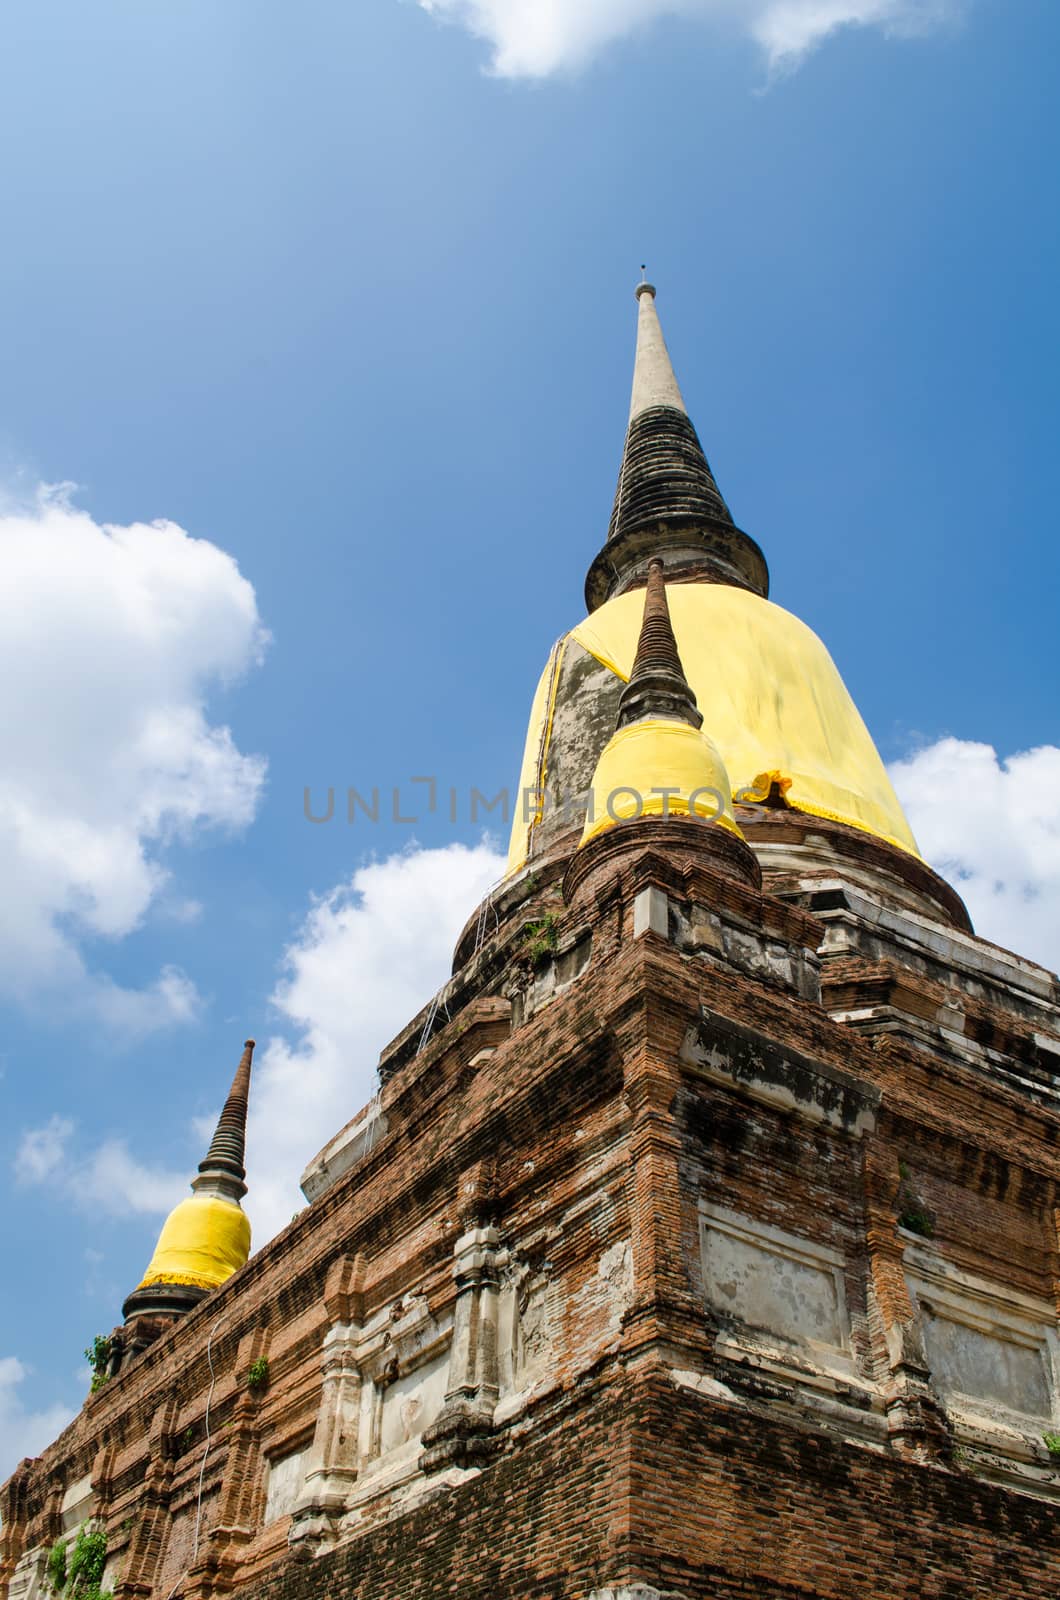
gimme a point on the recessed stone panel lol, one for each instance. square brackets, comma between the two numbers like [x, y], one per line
[991, 1350]
[79, 1502]
[285, 1478]
[413, 1401]
[773, 1280]
[967, 1361]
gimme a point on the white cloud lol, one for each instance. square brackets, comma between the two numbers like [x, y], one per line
[41, 1151]
[992, 827]
[113, 1181]
[533, 38]
[106, 1179]
[181, 910]
[110, 640]
[172, 997]
[22, 1432]
[367, 957]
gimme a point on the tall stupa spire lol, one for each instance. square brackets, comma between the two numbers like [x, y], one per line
[206, 1237]
[667, 503]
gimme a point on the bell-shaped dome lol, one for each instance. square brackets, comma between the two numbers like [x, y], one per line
[769, 692]
[203, 1241]
[658, 767]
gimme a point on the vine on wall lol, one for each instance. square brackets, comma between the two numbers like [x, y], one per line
[77, 1573]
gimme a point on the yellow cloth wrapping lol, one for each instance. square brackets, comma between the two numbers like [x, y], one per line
[772, 701]
[203, 1241]
[656, 754]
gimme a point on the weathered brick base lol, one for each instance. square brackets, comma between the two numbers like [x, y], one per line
[684, 1260]
[642, 1482]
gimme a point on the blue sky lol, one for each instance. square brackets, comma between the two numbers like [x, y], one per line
[346, 292]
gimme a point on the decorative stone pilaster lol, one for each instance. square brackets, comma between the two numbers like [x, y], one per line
[29, 1576]
[916, 1422]
[14, 1520]
[52, 1520]
[216, 1569]
[462, 1434]
[663, 1306]
[143, 1554]
[104, 1465]
[333, 1461]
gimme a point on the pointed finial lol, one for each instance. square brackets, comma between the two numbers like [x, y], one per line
[644, 287]
[225, 1157]
[654, 383]
[657, 685]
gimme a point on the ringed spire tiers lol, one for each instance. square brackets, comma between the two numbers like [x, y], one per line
[668, 503]
[223, 1165]
[657, 684]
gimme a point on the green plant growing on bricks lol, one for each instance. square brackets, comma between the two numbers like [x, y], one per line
[1052, 1443]
[258, 1375]
[77, 1574]
[87, 1560]
[540, 939]
[97, 1354]
[57, 1565]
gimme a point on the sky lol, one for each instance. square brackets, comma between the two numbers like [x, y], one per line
[317, 326]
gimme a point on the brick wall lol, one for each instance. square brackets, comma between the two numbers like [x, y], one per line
[644, 1482]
